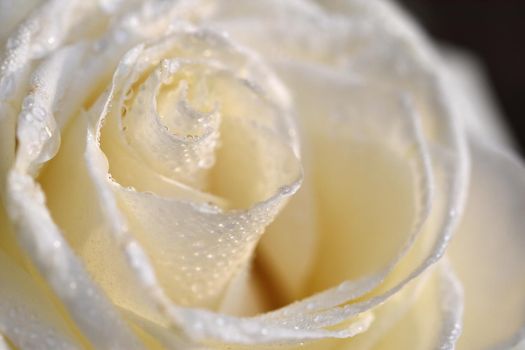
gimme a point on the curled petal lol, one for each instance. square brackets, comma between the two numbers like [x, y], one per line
[198, 246]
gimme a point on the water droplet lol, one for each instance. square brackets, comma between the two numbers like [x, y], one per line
[198, 244]
[28, 103]
[39, 112]
[13, 43]
[51, 40]
[206, 162]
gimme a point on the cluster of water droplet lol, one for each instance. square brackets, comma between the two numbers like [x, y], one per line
[182, 141]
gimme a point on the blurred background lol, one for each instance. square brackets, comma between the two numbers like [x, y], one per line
[494, 32]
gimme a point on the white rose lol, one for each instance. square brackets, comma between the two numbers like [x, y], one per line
[248, 175]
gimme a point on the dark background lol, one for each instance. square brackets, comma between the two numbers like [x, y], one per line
[494, 31]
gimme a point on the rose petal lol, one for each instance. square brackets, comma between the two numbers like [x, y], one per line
[36, 231]
[375, 42]
[27, 317]
[368, 161]
[487, 252]
[434, 321]
[179, 233]
[427, 314]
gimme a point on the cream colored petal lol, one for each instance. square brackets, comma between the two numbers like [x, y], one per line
[44, 243]
[426, 314]
[385, 317]
[368, 162]
[27, 317]
[487, 252]
[434, 321]
[373, 42]
[357, 165]
[197, 247]
[36, 232]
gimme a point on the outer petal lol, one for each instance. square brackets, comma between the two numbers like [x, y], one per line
[488, 251]
[27, 317]
[44, 243]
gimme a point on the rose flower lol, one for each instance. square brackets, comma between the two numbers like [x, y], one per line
[215, 174]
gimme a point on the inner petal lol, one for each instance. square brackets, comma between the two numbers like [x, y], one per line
[199, 241]
[179, 143]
